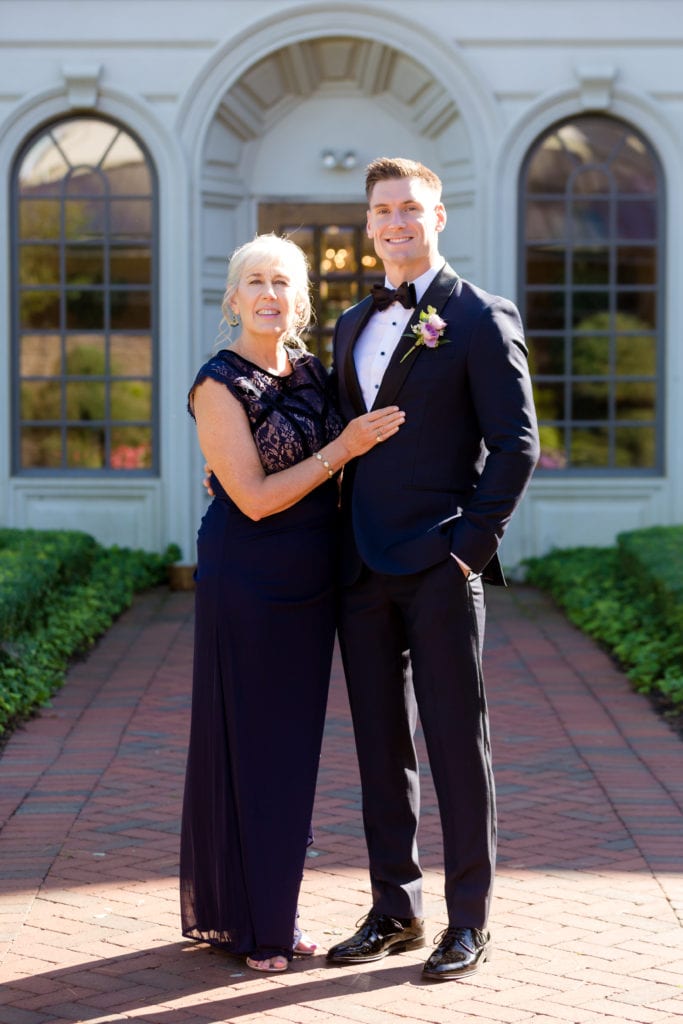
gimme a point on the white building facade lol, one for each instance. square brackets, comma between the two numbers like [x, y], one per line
[140, 142]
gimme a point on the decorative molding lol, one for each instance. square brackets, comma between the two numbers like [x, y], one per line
[596, 85]
[82, 84]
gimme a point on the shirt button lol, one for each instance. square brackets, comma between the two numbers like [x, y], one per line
[382, 353]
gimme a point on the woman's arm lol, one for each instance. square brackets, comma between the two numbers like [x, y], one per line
[228, 446]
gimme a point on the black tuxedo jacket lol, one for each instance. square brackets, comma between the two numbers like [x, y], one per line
[450, 479]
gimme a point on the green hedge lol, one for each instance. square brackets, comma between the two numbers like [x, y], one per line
[59, 591]
[630, 598]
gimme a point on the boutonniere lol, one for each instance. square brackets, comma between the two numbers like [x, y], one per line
[428, 331]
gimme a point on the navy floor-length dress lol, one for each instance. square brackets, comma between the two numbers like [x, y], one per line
[264, 632]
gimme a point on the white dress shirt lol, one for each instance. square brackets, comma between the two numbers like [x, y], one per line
[379, 338]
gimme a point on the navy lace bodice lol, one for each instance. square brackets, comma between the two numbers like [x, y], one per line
[291, 417]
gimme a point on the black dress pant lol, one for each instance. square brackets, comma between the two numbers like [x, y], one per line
[414, 643]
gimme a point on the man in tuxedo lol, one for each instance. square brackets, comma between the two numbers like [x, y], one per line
[424, 512]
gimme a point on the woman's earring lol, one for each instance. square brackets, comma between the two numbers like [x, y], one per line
[234, 319]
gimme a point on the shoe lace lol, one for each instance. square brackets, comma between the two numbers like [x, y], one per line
[373, 918]
[448, 935]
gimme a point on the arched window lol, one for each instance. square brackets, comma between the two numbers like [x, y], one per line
[84, 288]
[591, 217]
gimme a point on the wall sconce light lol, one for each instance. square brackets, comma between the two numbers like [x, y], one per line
[334, 161]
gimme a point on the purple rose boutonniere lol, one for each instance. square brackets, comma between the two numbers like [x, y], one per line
[428, 331]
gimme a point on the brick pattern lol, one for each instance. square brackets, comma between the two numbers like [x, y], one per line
[588, 912]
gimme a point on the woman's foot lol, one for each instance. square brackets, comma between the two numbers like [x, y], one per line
[270, 965]
[304, 944]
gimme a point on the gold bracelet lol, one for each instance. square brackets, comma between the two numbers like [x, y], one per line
[328, 467]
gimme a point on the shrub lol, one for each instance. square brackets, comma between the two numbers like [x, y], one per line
[630, 599]
[60, 591]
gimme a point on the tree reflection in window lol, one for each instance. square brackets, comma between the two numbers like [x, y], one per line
[591, 213]
[84, 288]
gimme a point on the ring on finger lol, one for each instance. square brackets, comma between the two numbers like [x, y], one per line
[379, 437]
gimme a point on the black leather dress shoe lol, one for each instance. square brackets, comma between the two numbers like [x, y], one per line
[458, 953]
[377, 937]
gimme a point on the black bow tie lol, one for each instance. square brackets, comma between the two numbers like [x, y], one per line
[383, 297]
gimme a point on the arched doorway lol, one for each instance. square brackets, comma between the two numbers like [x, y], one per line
[286, 149]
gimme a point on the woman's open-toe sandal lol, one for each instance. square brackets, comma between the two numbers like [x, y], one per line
[303, 944]
[270, 965]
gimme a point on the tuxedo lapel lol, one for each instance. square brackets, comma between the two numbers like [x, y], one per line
[355, 321]
[437, 295]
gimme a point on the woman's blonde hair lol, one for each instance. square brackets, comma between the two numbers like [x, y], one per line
[270, 248]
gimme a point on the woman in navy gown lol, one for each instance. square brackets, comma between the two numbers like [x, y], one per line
[264, 613]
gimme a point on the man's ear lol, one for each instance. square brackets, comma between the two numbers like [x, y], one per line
[441, 216]
[368, 228]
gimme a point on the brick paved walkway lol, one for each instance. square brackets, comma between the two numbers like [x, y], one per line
[588, 915]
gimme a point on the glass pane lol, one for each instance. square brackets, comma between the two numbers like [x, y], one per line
[85, 400]
[39, 218]
[41, 447]
[636, 264]
[635, 447]
[635, 400]
[550, 167]
[39, 264]
[635, 170]
[640, 306]
[131, 218]
[127, 169]
[40, 355]
[41, 400]
[131, 400]
[84, 140]
[590, 266]
[636, 354]
[130, 310]
[637, 218]
[545, 220]
[84, 448]
[545, 310]
[84, 219]
[590, 181]
[43, 167]
[546, 355]
[590, 355]
[335, 297]
[39, 309]
[369, 262]
[590, 221]
[84, 182]
[85, 309]
[130, 266]
[594, 139]
[586, 306]
[131, 448]
[84, 264]
[131, 355]
[590, 401]
[85, 355]
[553, 454]
[590, 447]
[549, 401]
[545, 265]
[337, 253]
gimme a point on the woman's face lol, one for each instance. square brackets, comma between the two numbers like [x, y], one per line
[266, 300]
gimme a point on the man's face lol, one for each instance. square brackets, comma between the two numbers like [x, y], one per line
[404, 220]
